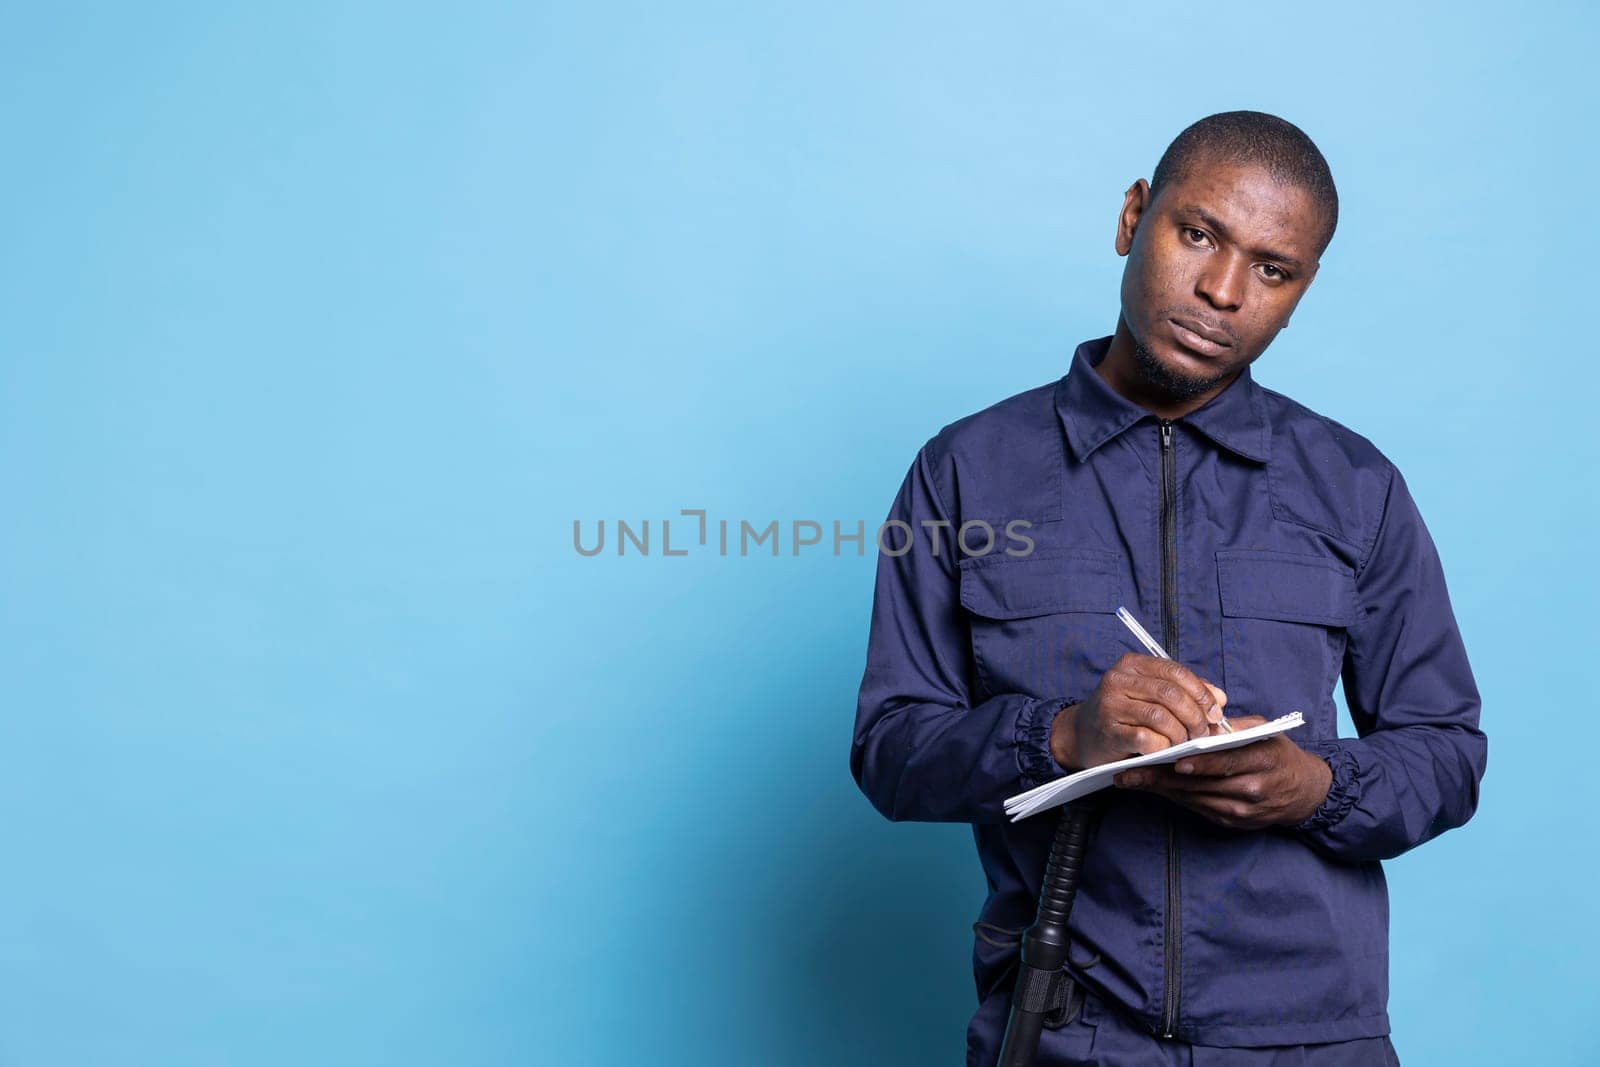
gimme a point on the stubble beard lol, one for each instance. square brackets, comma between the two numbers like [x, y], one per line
[1171, 384]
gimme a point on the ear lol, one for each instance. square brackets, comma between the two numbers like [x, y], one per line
[1134, 202]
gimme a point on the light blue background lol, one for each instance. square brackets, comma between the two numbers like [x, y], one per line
[320, 744]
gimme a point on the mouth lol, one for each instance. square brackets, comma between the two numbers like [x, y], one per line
[1199, 338]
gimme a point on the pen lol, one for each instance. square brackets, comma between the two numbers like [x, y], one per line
[1150, 645]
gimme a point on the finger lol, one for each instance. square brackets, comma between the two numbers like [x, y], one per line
[1244, 790]
[1245, 786]
[1219, 810]
[1256, 756]
[1137, 712]
[1203, 693]
[1169, 694]
[1162, 778]
[1138, 740]
[1141, 779]
[1218, 695]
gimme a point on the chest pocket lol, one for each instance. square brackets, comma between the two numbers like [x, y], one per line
[1044, 625]
[1284, 625]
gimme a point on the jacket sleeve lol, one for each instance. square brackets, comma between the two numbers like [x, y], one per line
[1414, 770]
[921, 749]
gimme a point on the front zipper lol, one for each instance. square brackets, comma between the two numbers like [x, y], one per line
[1169, 622]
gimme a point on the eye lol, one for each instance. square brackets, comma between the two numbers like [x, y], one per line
[1189, 233]
[1277, 274]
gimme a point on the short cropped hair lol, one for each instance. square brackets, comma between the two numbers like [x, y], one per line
[1254, 137]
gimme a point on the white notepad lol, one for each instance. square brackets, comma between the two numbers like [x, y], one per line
[1073, 786]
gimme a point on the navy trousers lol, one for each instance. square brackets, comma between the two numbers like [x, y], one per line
[1103, 1037]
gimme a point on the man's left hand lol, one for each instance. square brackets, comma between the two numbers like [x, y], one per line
[1271, 782]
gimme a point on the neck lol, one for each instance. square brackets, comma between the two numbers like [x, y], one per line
[1120, 370]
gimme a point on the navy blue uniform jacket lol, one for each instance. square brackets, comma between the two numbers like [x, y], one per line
[1272, 551]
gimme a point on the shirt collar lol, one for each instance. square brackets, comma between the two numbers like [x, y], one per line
[1092, 412]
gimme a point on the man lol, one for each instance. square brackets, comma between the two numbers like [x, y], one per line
[1234, 903]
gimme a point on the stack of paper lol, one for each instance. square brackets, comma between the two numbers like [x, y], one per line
[1073, 786]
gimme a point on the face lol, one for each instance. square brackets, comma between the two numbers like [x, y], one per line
[1216, 265]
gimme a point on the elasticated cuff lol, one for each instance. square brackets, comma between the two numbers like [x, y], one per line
[1034, 758]
[1342, 792]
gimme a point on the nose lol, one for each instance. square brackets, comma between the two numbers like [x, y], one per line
[1222, 281]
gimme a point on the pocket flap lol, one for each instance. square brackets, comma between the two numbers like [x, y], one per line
[1262, 584]
[1009, 587]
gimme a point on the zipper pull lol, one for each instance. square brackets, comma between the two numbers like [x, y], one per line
[1166, 434]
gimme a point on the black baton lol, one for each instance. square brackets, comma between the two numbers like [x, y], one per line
[1040, 976]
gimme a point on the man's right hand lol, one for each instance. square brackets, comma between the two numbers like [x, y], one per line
[1142, 704]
